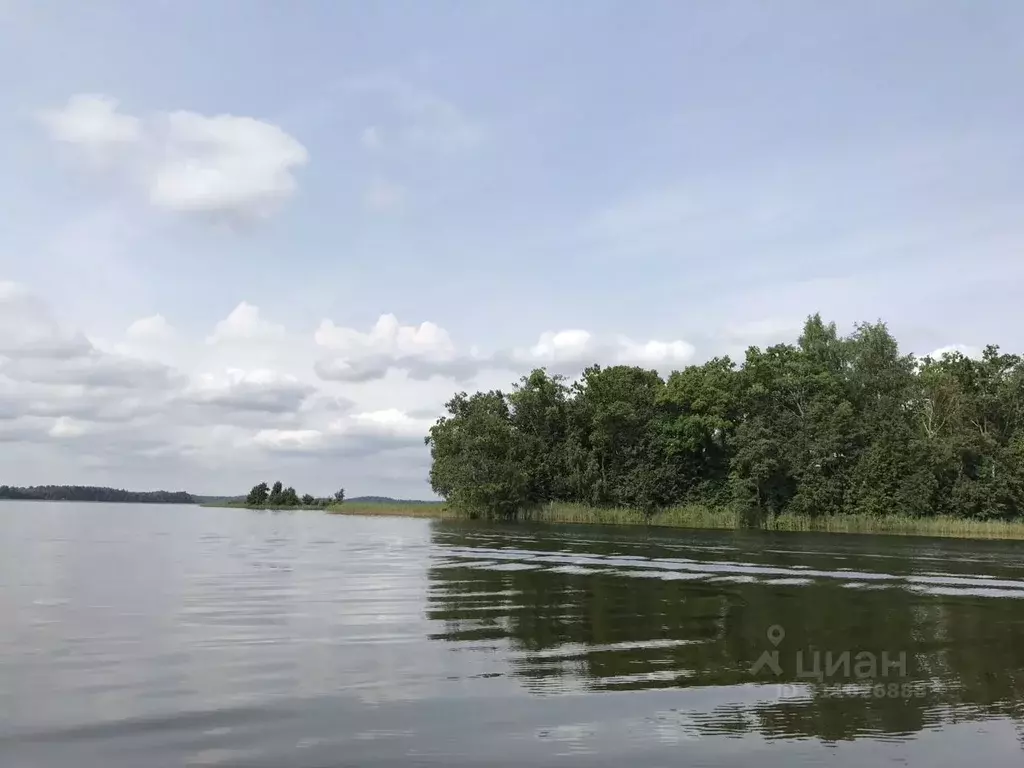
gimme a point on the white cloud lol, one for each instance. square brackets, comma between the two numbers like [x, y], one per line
[289, 439]
[35, 349]
[67, 427]
[90, 367]
[561, 345]
[964, 349]
[421, 351]
[330, 407]
[184, 162]
[92, 121]
[568, 352]
[75, 411]
[152, 328]
[427, 350]
[28, 328]
[245, 324]
[391, 421]
[258, 390]
[388, 336]
[655, 353]
[224, 164]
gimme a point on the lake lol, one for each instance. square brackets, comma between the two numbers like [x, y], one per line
[135, 635]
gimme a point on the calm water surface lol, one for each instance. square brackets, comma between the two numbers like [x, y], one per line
[150, 636]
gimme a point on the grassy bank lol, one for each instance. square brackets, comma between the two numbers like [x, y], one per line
[432, 510]
[367, 508]
[706, 517]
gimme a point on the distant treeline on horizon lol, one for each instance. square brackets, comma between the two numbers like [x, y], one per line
[94, 493]
[101, 493]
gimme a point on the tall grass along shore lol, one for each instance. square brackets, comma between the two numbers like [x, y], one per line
[692, 516]
[695, 516]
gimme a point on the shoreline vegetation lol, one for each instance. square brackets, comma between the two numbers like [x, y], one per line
[263, 496]
[830, 433]
[697, 517]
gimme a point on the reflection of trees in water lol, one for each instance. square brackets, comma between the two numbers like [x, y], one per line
[604, 631]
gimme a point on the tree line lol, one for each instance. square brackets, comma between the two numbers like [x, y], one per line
[831, 424]
[263, 495]
[93, 493]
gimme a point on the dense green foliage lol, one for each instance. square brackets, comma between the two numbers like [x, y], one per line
[825, 426]
[94, 493]
[276, 496]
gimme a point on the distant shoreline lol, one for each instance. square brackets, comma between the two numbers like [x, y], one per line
[106, 501]
[353, 507]
[96, 493]
[692, 517]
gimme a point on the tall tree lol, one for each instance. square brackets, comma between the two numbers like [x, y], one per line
[539, 416]
[258, 495]
[478, 457]
[276, 493]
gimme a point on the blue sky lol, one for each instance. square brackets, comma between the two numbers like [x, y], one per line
[537, 183]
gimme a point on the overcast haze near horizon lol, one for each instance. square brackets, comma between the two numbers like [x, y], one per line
[245, 241]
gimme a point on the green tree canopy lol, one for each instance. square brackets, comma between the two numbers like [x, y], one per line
[827, 425]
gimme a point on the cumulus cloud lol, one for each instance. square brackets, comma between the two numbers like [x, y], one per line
[245, 324]
[427, 351]
[88, 368]
[76, 411]
[213, 411]
[387, 336]
[28, 328]
[93, 123]
[422, 351]
[185, 162]
[258, 390]
[35, 349]
[153, 328]
[568, 352]
[360, 434]
[390, 421]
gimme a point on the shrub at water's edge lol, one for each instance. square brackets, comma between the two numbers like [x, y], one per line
[829, 433]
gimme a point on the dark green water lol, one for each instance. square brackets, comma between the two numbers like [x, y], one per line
[178, 636]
